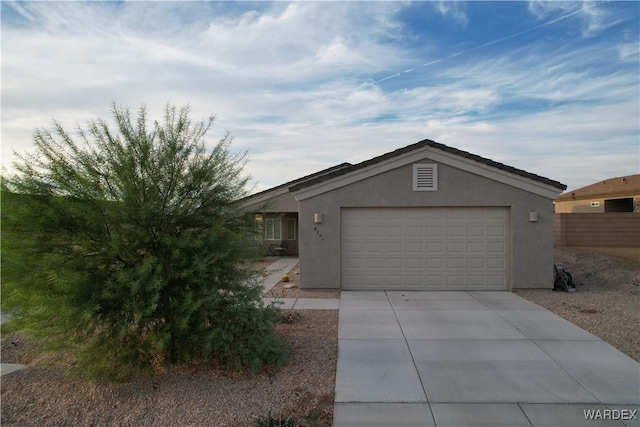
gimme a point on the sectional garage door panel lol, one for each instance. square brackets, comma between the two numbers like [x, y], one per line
[424, 248]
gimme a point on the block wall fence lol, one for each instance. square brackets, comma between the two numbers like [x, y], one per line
[596, 229]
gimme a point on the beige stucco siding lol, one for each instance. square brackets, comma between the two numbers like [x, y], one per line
[594, 204]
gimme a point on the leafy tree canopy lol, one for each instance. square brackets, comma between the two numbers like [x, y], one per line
[127, 245]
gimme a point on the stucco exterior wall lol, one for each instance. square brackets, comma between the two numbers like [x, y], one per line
[281, 203]
[531, 243]
[587, 205]
[580, 206]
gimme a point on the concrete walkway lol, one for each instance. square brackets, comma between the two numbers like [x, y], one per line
[275, 271]
[474, 359]
[7, 368]
[283, 266]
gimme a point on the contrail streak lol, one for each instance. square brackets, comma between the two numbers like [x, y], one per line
[490, 43]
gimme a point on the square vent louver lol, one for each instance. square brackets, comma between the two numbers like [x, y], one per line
[425, 177]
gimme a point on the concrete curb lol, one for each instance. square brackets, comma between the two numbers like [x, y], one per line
[305, 303]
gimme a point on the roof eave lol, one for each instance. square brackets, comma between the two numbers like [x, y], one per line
[437, 152]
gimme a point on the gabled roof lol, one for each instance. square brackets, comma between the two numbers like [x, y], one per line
[419, 145]
[287, 185]
[609, 187]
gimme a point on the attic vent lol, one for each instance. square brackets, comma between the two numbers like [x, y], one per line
[425, 177]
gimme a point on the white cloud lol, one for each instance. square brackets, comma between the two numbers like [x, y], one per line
[83, 56]
[453, 10]
[585, 115]
[303, 41]
[594, 18]
[293, 84]
[629, 52]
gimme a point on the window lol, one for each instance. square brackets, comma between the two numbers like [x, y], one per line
[291, 229]
[619, 205]
[425, 177]
[273, 229]
[259, 227]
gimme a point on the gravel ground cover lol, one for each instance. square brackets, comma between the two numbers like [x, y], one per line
[280, 291]
[189, 396]
[607, 302]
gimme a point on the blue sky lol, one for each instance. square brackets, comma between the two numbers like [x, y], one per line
[549, 87]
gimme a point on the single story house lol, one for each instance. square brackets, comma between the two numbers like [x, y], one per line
[275, 212]
[423, 217]
[619, 194]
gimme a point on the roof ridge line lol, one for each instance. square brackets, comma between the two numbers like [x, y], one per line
[434, 144]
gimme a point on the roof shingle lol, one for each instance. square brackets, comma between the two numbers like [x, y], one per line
[303, 179]
[609, 187]
[418, 145]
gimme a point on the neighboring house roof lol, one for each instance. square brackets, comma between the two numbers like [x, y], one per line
[617, 186]
[419, 145]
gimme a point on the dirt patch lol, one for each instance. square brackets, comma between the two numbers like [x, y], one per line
[194, 395]
[261, 264]
[607, 302]
[291, 289]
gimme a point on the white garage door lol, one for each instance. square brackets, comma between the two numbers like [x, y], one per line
[424, 248]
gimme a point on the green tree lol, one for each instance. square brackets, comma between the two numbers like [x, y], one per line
[127, 248]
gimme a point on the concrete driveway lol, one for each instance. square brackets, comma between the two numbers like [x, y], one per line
[475, 359]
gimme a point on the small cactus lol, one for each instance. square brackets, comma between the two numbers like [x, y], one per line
[275, 420]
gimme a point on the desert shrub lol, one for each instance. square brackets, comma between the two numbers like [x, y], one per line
[275, 420]
[127, 246]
